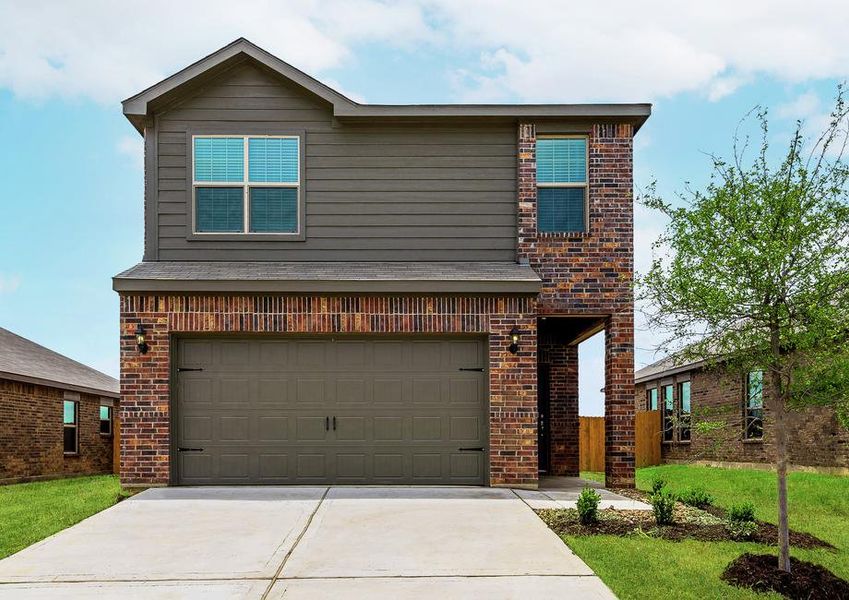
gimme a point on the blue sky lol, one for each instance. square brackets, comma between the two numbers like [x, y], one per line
[71, 205]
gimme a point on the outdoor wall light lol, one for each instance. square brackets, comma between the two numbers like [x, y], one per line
[514, 338]
[140, 341]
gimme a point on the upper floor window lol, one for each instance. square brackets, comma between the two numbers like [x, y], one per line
[246, 184]
[753, 406]
[561, 184]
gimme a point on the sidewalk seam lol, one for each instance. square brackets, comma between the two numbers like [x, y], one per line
[295, 545]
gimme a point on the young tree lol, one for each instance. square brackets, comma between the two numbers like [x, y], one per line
[753, 272]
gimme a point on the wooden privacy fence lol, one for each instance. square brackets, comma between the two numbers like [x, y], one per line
[646, 433]
[591, 444]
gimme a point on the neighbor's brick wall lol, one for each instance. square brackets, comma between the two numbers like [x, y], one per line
[145, 406]
[31, 436]
[591, 273]
[816, 439]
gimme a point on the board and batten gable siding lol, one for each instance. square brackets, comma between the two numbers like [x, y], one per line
[374, 192]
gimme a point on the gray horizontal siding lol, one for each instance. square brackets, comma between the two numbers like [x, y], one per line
[372, 192]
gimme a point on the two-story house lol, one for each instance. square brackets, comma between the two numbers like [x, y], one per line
[336, 292]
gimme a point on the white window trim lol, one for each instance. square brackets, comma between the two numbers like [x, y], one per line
[246, 186]
[585, 185]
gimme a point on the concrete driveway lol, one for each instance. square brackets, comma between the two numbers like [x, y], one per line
[302, 542]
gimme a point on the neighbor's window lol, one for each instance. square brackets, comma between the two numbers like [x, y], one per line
[753, 409]
[668, 414]
[70, 421]
[651, 399]
[561, 184]
[684, 412]
[246, 184]
[105, 419]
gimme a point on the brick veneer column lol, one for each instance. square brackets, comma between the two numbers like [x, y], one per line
[513, 402]
[591, 272]
[619, 400]
[145, 403]
[563, 408]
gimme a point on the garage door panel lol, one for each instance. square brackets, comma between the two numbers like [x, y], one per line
[311, 429]
[272, 428]
[351, 391]
[262, 411]
[273, 467]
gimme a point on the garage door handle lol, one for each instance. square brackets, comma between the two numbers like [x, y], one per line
[189, 449]
[476, 369]
[327, 423]
[184, 369]
[334, 423]
[470, 449]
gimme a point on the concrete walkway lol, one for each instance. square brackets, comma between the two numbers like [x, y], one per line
[302, 542]
[563, 492]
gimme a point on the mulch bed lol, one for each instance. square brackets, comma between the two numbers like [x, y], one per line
[806, 581]
[690, 523]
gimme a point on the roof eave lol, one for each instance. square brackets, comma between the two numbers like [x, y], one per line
[59, 384]
[670, 372]
[371, 286]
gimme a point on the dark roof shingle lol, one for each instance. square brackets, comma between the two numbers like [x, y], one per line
[24, 360]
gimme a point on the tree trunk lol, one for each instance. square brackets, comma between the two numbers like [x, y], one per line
[781, 470]
[778, 398]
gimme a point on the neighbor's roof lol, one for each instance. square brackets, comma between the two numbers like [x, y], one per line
[23, 360]
[422, 277]
[137, 108]
[665, 367]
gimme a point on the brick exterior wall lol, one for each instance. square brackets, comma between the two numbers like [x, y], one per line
[145, 405]
[816, 439]
[591, 273]
[31, 437]
[563, 422]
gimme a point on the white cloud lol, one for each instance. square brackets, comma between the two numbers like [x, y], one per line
[801, 107]
[9, 283]
[102, 51]
[132, 146]
[533, 50]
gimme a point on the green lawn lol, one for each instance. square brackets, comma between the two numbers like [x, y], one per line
[30, 512]
[643, 567]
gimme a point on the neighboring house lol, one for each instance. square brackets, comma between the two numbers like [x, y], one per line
[734, 408]
[56, 413]
[335, 292]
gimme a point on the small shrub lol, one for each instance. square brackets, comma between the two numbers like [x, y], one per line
[588, 506]
[697, 497]
[742, 530]
[657, 484]
[744, 512]
[663, 505]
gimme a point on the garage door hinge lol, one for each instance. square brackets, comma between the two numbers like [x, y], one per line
[478, 369]
[181, 369]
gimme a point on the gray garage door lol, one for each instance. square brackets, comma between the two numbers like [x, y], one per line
[330, 411]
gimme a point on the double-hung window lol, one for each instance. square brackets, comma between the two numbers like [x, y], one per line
[246, 184]
[561, 184]
[668, 414]
[70, 422]
[651, 399]
[753, 406]
[684, 412]
[105, 419]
